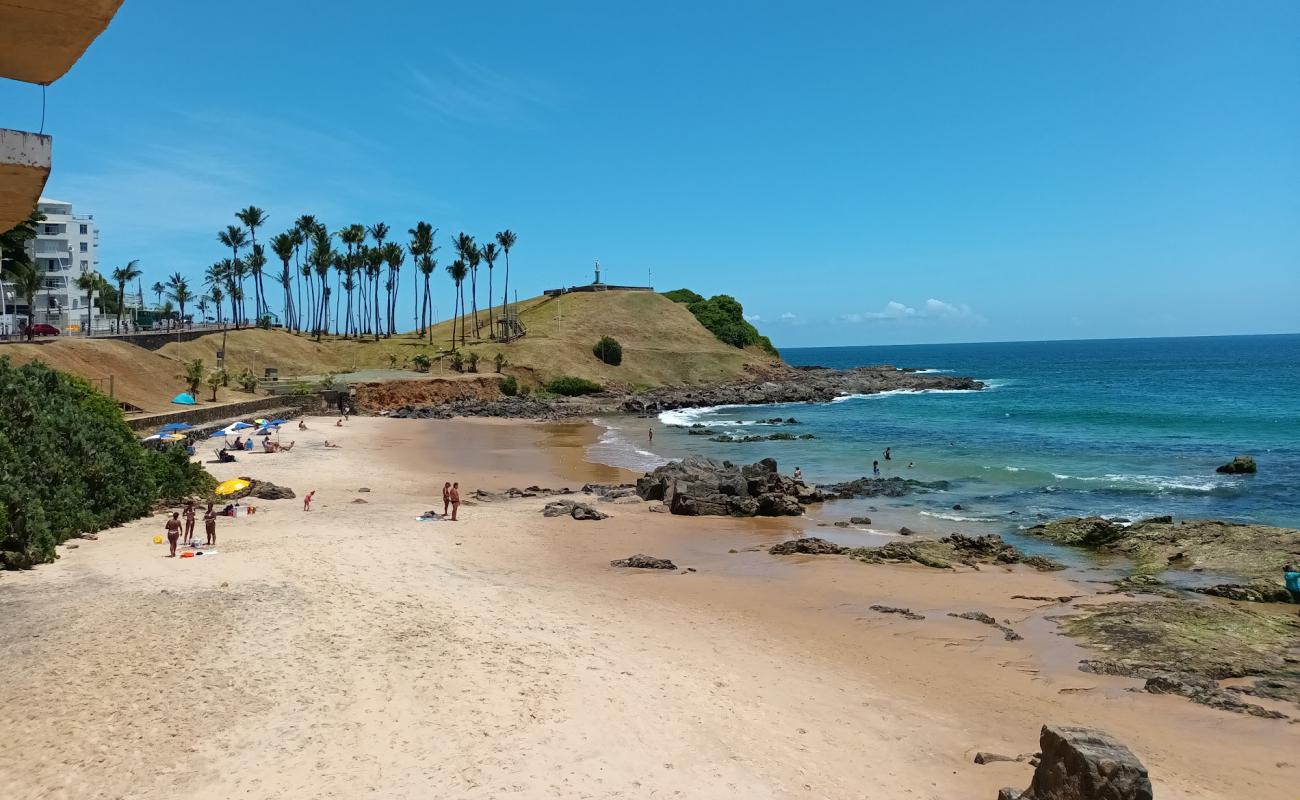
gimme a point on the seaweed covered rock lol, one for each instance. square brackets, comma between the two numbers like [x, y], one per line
[1240, 465]
[809, 545]
[697, 486]
[970, 551]
[1084, 764]
[642, 561]
[879, 487]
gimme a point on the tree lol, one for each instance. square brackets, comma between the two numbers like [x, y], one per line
[374, 262]
[305, 227]
[489, 254]
[507, 240]
[322, 258]
[193, 376]
[254, 218]
[393, 256]
[27, 280]
[180, 292]
[467, 250]
[157, 290]
[427, 266]
[233, 237]
[217, 296]
[237, 270]
[422, 250]
[351, 237]
[284, 245]
[122, 275]
[215, 380]
[202, 303]
[88, 282]
[608, 350]
[457, 270]
[256, 262]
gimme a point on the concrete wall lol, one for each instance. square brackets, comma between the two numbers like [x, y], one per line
[24, 167]
[198, 415]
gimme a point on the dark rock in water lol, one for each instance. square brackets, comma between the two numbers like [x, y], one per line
[693, 431]
[761, 437]
[878, 487]
[264, 490]
[841, 524]
[569, 508]
[642, 561]
[956, 507]
[1084, 764]
[809, 545]
[905, 612]
[860, 520]
[905, 531]
[1241, 465]
[980, 616]
[697, 486]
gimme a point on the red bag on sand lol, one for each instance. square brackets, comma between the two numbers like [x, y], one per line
[187, 555]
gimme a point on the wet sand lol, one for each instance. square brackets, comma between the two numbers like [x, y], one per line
[355, 651]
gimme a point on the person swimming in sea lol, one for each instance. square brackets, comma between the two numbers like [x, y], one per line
[888, 457]
[875, 468]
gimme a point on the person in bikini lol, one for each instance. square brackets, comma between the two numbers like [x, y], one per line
[446, 497]
[454, 496]
[210, 525]
[173, 532]
[189, 521]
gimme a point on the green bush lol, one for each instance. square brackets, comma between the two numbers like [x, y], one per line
[247, 380]
[509, 386]
[725, 318]
[457, 362]
[422, 362]
[472, 360]
[683, 296]
[570, 386]
[608, 350]
[69, 464]
[500, 361]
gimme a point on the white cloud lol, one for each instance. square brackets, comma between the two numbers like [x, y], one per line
[753, 318]
[467, 91]
[938, 308]
[933, 308]
[893, 310]
[791, 318]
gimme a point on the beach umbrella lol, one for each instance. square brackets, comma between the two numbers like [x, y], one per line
[231, 486]
[278, 421]
[175, 426]
[260, 421]
[152, 438]
[173, 437]
[184, 399]
[221, 434]
[237, 426]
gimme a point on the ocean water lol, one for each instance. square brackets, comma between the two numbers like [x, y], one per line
[1122, 428]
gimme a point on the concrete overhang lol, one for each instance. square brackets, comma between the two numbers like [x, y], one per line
[24, 168]
[40, 40]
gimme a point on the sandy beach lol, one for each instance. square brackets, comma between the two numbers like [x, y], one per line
[354, 651]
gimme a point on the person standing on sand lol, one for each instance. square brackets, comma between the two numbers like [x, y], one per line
[1291, 575]
[875, 468]
[189, 521]
[446, 497]
[210, 526]
[306, 501]
[173, 532]
[454, 495]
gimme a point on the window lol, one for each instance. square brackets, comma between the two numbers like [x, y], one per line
[85, 229]
[84, 264]
[50, 230]
[85, 248]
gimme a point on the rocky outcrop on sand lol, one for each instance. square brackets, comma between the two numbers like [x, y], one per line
[697, 486]
[1083, 764]
[610, 492]
[508, 407]
[957, 549]
[262, 490]
[1240, 465]
[1191, 646]
[642, 561]
[985, 619]
[1255, 553]
[906, 613]
[514, 493]
[571, 508]
[798, 385]
[878, 487]
[808, 545]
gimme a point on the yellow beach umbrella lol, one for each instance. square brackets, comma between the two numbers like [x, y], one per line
[231, 486]
[173, 437]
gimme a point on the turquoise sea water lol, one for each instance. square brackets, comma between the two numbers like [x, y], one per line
[1126, 428]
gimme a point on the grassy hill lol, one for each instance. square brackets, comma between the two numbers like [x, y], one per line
[663, 344]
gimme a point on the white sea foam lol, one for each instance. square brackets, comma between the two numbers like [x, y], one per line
[957, 517]
[616, 450]
[892, 392]
[1156, 482]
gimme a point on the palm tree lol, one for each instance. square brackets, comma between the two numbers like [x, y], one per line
[284, 245]
[254, 218]
[305, 226]
[202, 303]
[507, 240]
[88, 282]
[427, 265]
[157, 290]
[233, 237]
[351, 236]
[458, 271]
[394, 255]
[238, 270]
[297, 238]
[27, 281]
[373, 260]
[421, 246]
[489, 254]
[122, 275]
[468, 252]
[256, 261]
[322, 258]
[180, 292]
[217, 296]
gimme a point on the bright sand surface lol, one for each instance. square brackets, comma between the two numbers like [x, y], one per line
[355, 652]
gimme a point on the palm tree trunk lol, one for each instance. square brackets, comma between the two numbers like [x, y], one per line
[505, 297]
[473, 297]
[492, 331]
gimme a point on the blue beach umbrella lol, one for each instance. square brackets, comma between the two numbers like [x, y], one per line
[175, 426]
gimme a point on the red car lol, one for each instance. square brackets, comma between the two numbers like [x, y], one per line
[44, 329]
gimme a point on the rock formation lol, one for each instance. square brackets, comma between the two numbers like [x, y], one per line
[697, 486]
[1084, 764]
[809, 545]
[642, 561]
[570, 508]
[1241, 465]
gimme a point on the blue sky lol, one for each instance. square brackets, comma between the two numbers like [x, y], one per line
[854, 173]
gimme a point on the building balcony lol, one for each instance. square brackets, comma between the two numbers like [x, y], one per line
[40, 40]
[24, 168]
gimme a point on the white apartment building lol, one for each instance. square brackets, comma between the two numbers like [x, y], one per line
[63, 250]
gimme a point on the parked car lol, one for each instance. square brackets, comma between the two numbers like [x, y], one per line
[44, 329]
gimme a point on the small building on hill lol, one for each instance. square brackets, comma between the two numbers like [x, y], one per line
[597, 286]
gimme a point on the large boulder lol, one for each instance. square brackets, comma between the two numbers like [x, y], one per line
[265, 490]
[809, 545]
[697, 487]
[1084, 764]
[642, 561]
[1241, 465]
[570, 508]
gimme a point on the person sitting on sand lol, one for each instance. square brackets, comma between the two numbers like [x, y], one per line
[306, 501]
[239, 443]
[269, 446]
[1291, 575]
[173, 532]
[446, 497]
[454, 496]
[210, 526]
[189, 521]
[302, 425]
[338, 423]
[328, 443]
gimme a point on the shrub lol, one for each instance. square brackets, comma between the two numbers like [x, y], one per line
[193, 376]
[725, 319]
[215, 380]
[70, 464]
[458, 362]
[570, 386]
[509, 386]
[500, 361]
[247, 380]
[472, 359]
[683, 296]
[392, 361]
[422, 362]
[608, 350]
